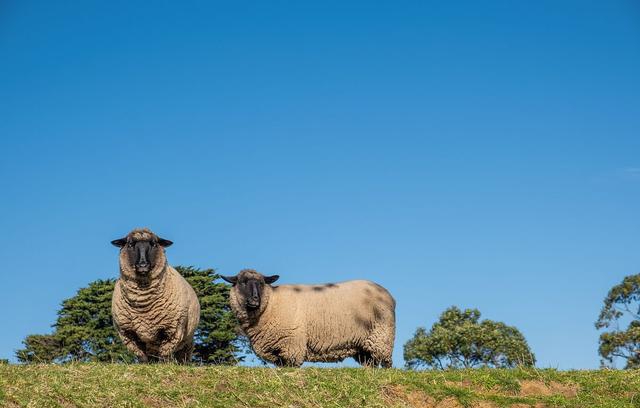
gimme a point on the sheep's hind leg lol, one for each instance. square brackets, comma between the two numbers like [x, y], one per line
[364, 358]
[379, 345]
[183, 356]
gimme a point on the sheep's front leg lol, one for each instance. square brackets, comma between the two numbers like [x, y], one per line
[292, 353]
[133, 343]
[290, 362]
[170, 343]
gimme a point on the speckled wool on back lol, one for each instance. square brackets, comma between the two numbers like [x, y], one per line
[320, 323]
[155, 318]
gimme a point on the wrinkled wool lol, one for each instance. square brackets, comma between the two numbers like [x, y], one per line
[156, 317]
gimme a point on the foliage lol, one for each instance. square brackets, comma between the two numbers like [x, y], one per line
[39, 348]
[216, 339]
[622, 305]
[83, 331]
[84, 328]
[460, 340]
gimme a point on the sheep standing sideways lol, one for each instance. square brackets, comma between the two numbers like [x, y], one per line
[155, 310]
[290, 324]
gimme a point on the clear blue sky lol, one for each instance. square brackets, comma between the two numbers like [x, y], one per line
[479, 154]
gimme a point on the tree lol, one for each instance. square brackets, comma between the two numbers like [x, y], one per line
[216, 338]
[460, 340]
[84, 328]
[621, 307]
[39, 348]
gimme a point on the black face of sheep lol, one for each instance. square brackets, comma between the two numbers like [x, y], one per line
[250, 286]
[142, 253]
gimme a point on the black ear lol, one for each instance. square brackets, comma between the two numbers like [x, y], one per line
[231, 279]
[271, 279]
[164, 242]
[119, 242]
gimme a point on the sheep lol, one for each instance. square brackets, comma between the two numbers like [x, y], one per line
[155, 310]
[290, 324]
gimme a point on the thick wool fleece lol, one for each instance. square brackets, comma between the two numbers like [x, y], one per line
[320, 323]
[155, 317]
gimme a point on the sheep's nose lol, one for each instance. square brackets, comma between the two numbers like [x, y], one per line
[142, 259]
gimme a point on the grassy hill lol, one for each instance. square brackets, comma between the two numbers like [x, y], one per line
[167, 385]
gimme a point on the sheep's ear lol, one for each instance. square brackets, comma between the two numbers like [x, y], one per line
[164, 242]
[271, 279]
[119, 242]
[231, 279]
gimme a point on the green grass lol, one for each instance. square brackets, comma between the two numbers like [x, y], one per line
[167, 385]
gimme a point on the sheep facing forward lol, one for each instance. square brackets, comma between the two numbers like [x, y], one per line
[155, 310]
[290, 324]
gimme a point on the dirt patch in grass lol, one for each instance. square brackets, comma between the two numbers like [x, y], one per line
[155, 402]
[393, 394]
[184, 378]
[159, 402]
[222, 386]
[463, 383]
[449, 402]
[530, 388]
[484, 404]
